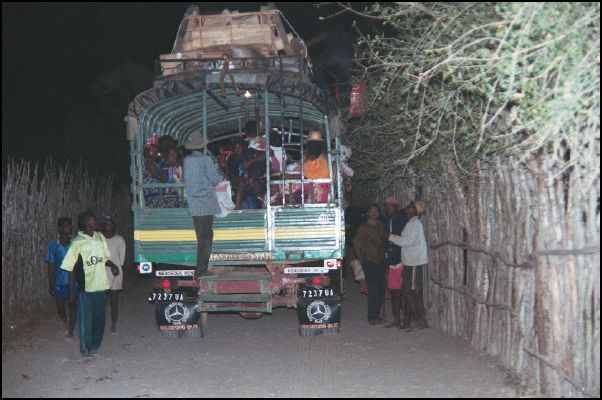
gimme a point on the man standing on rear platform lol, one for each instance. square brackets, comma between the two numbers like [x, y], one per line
[200, 176]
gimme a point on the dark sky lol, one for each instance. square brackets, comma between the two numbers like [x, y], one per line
[53, 54]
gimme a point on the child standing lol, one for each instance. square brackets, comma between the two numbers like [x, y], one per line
[117, 249]
[58, 279]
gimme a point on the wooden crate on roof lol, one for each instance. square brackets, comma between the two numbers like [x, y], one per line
[261, 33]
[229, 28]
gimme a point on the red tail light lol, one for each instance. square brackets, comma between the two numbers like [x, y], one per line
[165, 284]
[317, 281]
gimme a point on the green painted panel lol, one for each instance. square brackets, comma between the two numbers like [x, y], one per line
[180, 219]
[239, 246]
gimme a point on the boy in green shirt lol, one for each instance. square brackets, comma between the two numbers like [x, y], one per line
[91, 304]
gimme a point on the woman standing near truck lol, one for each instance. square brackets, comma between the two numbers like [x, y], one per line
[369, 245]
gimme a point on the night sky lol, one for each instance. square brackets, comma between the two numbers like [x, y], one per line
[55, 54]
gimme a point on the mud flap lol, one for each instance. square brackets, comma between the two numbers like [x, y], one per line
[176, 317]
[319, 315]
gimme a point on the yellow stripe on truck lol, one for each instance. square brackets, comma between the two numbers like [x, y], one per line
[241, 234]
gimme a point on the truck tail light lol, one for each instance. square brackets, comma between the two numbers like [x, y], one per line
[317, 281]
[165, 284]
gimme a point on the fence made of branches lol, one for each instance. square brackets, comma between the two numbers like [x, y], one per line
[34, 196]
[490, 112]
[514, 268]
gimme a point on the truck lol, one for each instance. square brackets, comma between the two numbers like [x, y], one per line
[225, 71]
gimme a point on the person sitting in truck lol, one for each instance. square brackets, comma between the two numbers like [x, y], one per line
[292, 190]
[255, 171]
[166, 142]
[154, 172]
[174, 175]
[315, 167]
[236, 172]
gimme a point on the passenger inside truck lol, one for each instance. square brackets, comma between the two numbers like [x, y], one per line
[162, 165]
[316, 167]
[153, 172]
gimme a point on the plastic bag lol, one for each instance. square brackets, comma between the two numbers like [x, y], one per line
[224, 198]
[358, 271]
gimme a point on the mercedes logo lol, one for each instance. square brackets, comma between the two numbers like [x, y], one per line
[176, 313]
[318, 312]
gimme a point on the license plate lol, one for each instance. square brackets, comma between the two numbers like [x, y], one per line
[305, 270]
[312, 293]
[177, 272]
[165, 297]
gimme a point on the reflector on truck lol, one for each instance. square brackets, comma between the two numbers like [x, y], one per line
[145, 268]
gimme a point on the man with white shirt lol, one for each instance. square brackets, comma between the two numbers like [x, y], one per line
[414, 257]
[116, 245]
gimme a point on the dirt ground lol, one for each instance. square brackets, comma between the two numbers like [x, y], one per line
[244, 358]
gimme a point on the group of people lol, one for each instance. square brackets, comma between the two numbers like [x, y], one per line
[82, 272]
[201, 175]
[394, 252]
[245, 168]
[243, 164]
[162, 164]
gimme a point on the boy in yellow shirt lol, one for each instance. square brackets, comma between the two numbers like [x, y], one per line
[91, 304]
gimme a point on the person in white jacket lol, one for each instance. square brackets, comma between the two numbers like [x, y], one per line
[116, 245]
[414, 256]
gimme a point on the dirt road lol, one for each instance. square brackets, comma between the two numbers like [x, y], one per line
[245, 358]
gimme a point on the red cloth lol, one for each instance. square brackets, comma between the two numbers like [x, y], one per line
[395, 278]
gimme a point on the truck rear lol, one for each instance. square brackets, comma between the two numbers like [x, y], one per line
[288, 253]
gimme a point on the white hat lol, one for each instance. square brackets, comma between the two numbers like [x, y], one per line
[195, 141]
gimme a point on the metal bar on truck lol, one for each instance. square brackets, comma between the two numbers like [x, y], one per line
[268, 206]
[329, 158]
[133, 172]
[140, 143]
[283, 155]
[339, 180]
[205, 118]
[300, 66]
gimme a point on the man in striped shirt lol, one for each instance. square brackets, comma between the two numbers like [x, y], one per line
[414, 257]
[200, 176]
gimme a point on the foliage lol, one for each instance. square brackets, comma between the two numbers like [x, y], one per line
[34, 196]
[464, 81]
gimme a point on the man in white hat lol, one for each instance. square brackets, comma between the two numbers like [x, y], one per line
[200, 176]
[414, 256]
